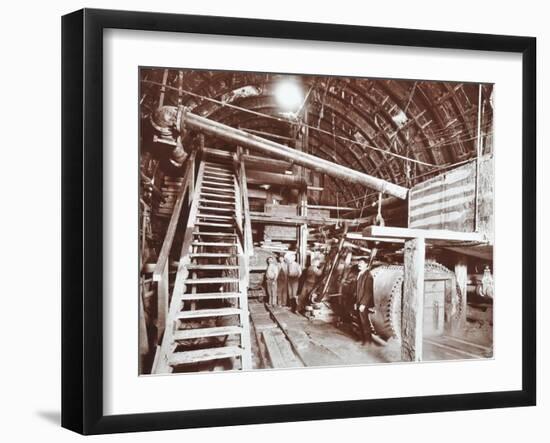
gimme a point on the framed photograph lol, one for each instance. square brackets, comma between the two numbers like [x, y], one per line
[270, 221]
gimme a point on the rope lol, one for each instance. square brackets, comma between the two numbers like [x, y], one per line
[379, 220]
[363, 207]
[337, 210]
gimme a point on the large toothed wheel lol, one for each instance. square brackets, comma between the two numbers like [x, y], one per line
[388, 292]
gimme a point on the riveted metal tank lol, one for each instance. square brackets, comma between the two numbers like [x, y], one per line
[388, 292]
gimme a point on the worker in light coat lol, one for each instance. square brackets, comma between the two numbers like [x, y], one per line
[294, 271]
[271, 275]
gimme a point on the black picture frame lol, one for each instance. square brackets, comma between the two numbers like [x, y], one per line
[82, 215]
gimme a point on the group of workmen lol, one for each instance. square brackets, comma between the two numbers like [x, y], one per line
[282, 281]
[282, 284]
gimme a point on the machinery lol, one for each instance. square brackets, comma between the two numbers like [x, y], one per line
[443, 301]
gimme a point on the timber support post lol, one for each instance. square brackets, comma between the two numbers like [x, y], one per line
[163, 295]
[461, 273]
[413, 300]
[303, 230]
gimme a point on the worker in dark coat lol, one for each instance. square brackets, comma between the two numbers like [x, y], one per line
[313, 274]
[282, 282]
[364, 300]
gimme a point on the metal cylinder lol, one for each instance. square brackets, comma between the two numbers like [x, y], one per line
[388, 293]
[189, 120]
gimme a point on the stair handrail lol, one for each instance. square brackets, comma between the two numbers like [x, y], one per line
[240, 169]
[184, 260]
[160, 273]
[160, 363]
[243, 253]
[188, 179]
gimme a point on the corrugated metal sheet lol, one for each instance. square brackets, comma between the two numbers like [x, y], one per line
[446, 201]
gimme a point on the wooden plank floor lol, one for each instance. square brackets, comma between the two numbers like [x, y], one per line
[288, 340]
[446, 347]
[322, 344]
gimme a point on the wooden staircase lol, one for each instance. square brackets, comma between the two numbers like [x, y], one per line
[208, 317]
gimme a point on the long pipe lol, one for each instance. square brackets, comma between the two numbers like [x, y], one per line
[253, 161]
[271, 178]
[278, 150]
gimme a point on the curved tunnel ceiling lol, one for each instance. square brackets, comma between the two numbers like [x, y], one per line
[371, 125]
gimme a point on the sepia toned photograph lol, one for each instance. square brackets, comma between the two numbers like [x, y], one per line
[291, 221]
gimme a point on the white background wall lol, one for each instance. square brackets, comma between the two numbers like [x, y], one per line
[30, 225]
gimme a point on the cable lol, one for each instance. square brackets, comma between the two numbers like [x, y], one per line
[261, 114]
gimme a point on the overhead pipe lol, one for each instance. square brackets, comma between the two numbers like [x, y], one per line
[253, 161]
[271, 178]
[193, 121]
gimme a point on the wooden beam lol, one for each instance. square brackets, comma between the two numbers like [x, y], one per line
[412, 316]
[247, 227]
[461, 273]
[302, 229]
[427, 234]
[359, 236]
[335, 208]
[163, 295]
[294, 220]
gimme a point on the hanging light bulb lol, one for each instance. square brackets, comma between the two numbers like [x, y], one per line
[289, 95]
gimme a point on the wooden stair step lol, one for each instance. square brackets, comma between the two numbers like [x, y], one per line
[215, 209]
[181, 358]
[215, 225]
[211, 243]
[214, 216]
[211, 255]
[210, 280]
[221, 178]
[186, 334]
[216, 179]
[215, 234]
[213, 267]
[209, 295]
[227, 200]
[215, 183]
[217, 202]
[217, 189]
[219, 172]
[228, 196]
[228, 186]
[215, 173]
[200, 313]
[217, 166]
[219, 182]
